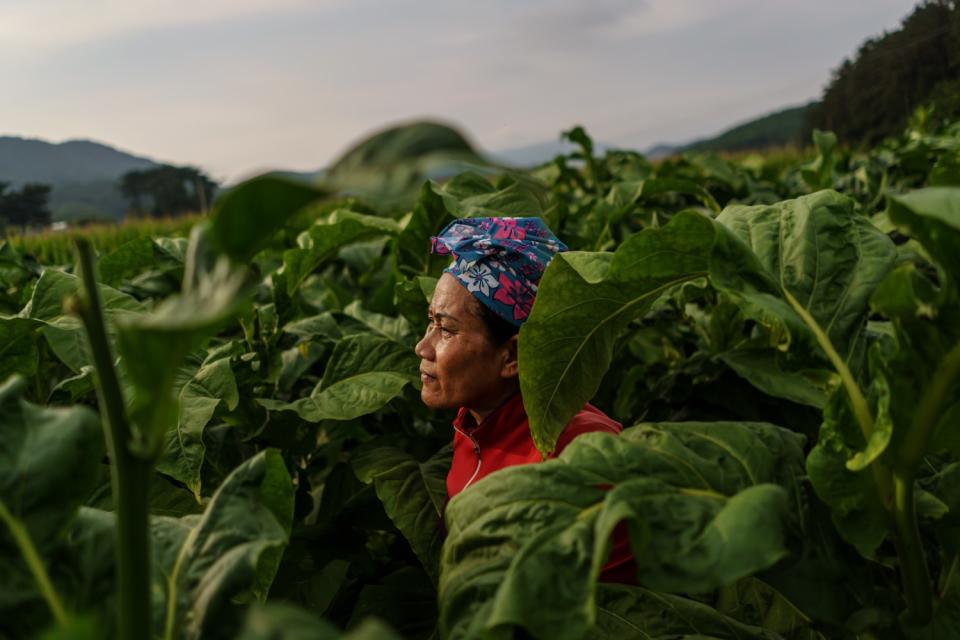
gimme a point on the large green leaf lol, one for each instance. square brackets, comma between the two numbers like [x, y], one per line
[364, 373]
[64, 332]
[18, 347]
[817, 247]
[322, 241]
[245, 218]
[213, 386]
[926, 323]
[153, 347]
[470, 195]
[394, 328]
[206, 562]
[49, 465]
[706, 504]
[932, 215]
[49, 460]
[632, 613]
[413, 494]
[428, 218]
[813, 247]
[583, 302]
[364, 353]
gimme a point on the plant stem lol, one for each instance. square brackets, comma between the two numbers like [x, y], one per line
[917, 586]
[130, 475]
[34, 563]
[929, 410]
[861, 409]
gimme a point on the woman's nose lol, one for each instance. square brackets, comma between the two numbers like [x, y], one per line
[424, 349]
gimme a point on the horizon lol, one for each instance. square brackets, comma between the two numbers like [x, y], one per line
[642, 73]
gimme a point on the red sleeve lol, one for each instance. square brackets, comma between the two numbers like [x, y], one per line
[620, 566]
[588, 419]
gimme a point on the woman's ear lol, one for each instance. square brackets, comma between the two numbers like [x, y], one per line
[510, 368]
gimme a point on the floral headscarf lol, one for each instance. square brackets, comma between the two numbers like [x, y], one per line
[499, 260]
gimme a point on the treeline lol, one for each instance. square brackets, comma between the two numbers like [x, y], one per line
[871, 96]
[24, 207]
[167, 190]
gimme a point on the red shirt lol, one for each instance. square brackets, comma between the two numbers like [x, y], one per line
[503, 439]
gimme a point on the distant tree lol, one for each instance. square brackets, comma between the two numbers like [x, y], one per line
[167, 190]
[871, 96]
[26, 207]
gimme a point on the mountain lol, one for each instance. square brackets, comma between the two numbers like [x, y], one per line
[83, 174]
[778, 129]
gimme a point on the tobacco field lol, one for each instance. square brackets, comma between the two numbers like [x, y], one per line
[221, 436]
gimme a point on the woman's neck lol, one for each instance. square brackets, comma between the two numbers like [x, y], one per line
[479, 415]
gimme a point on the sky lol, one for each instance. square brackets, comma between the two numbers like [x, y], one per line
[240, 86]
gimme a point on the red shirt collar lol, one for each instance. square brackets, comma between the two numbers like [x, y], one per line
[509, 414]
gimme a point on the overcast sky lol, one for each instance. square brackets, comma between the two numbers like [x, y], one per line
[237, 86]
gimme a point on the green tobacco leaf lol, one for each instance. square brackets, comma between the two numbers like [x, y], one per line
[428, 218]
[322, 241]
[323, 325]
[855, 506]
[656, 186]
[64, 333]
[49, 465]
[774, 373]
[245, 217]
[818, 174]
[632, 612]
[53, 287]
[932, 216]
[706, 504]
[365, 353]
[412, 493]
[583, 302]
[412, 298]
[49, 461]
[232, 550]
[153, 347]
[818, 248]
[470, 195]
[397, 329]
[213, 386]
[363, 374]
[18, 347]
[129, 259]
[813, 247]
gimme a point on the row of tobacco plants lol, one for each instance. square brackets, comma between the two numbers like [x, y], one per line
[221, 436]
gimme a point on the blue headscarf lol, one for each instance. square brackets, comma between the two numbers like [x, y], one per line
[499, 260]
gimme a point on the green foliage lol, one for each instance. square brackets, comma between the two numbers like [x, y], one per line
[26, 207]
[871, 96]
[271, 473]
[705, 504]
[167, 190]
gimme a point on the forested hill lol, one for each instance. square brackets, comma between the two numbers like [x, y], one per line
[772, 130]
[83, 174]
[28, 160]
[871, 96]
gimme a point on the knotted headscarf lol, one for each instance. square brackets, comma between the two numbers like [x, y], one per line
[499, 260]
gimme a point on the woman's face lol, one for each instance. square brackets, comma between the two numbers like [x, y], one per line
[460, 366]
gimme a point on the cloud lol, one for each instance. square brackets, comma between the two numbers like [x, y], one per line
[571, 23]
[56, 24]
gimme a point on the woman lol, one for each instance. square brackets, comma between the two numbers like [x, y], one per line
[468, 355]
